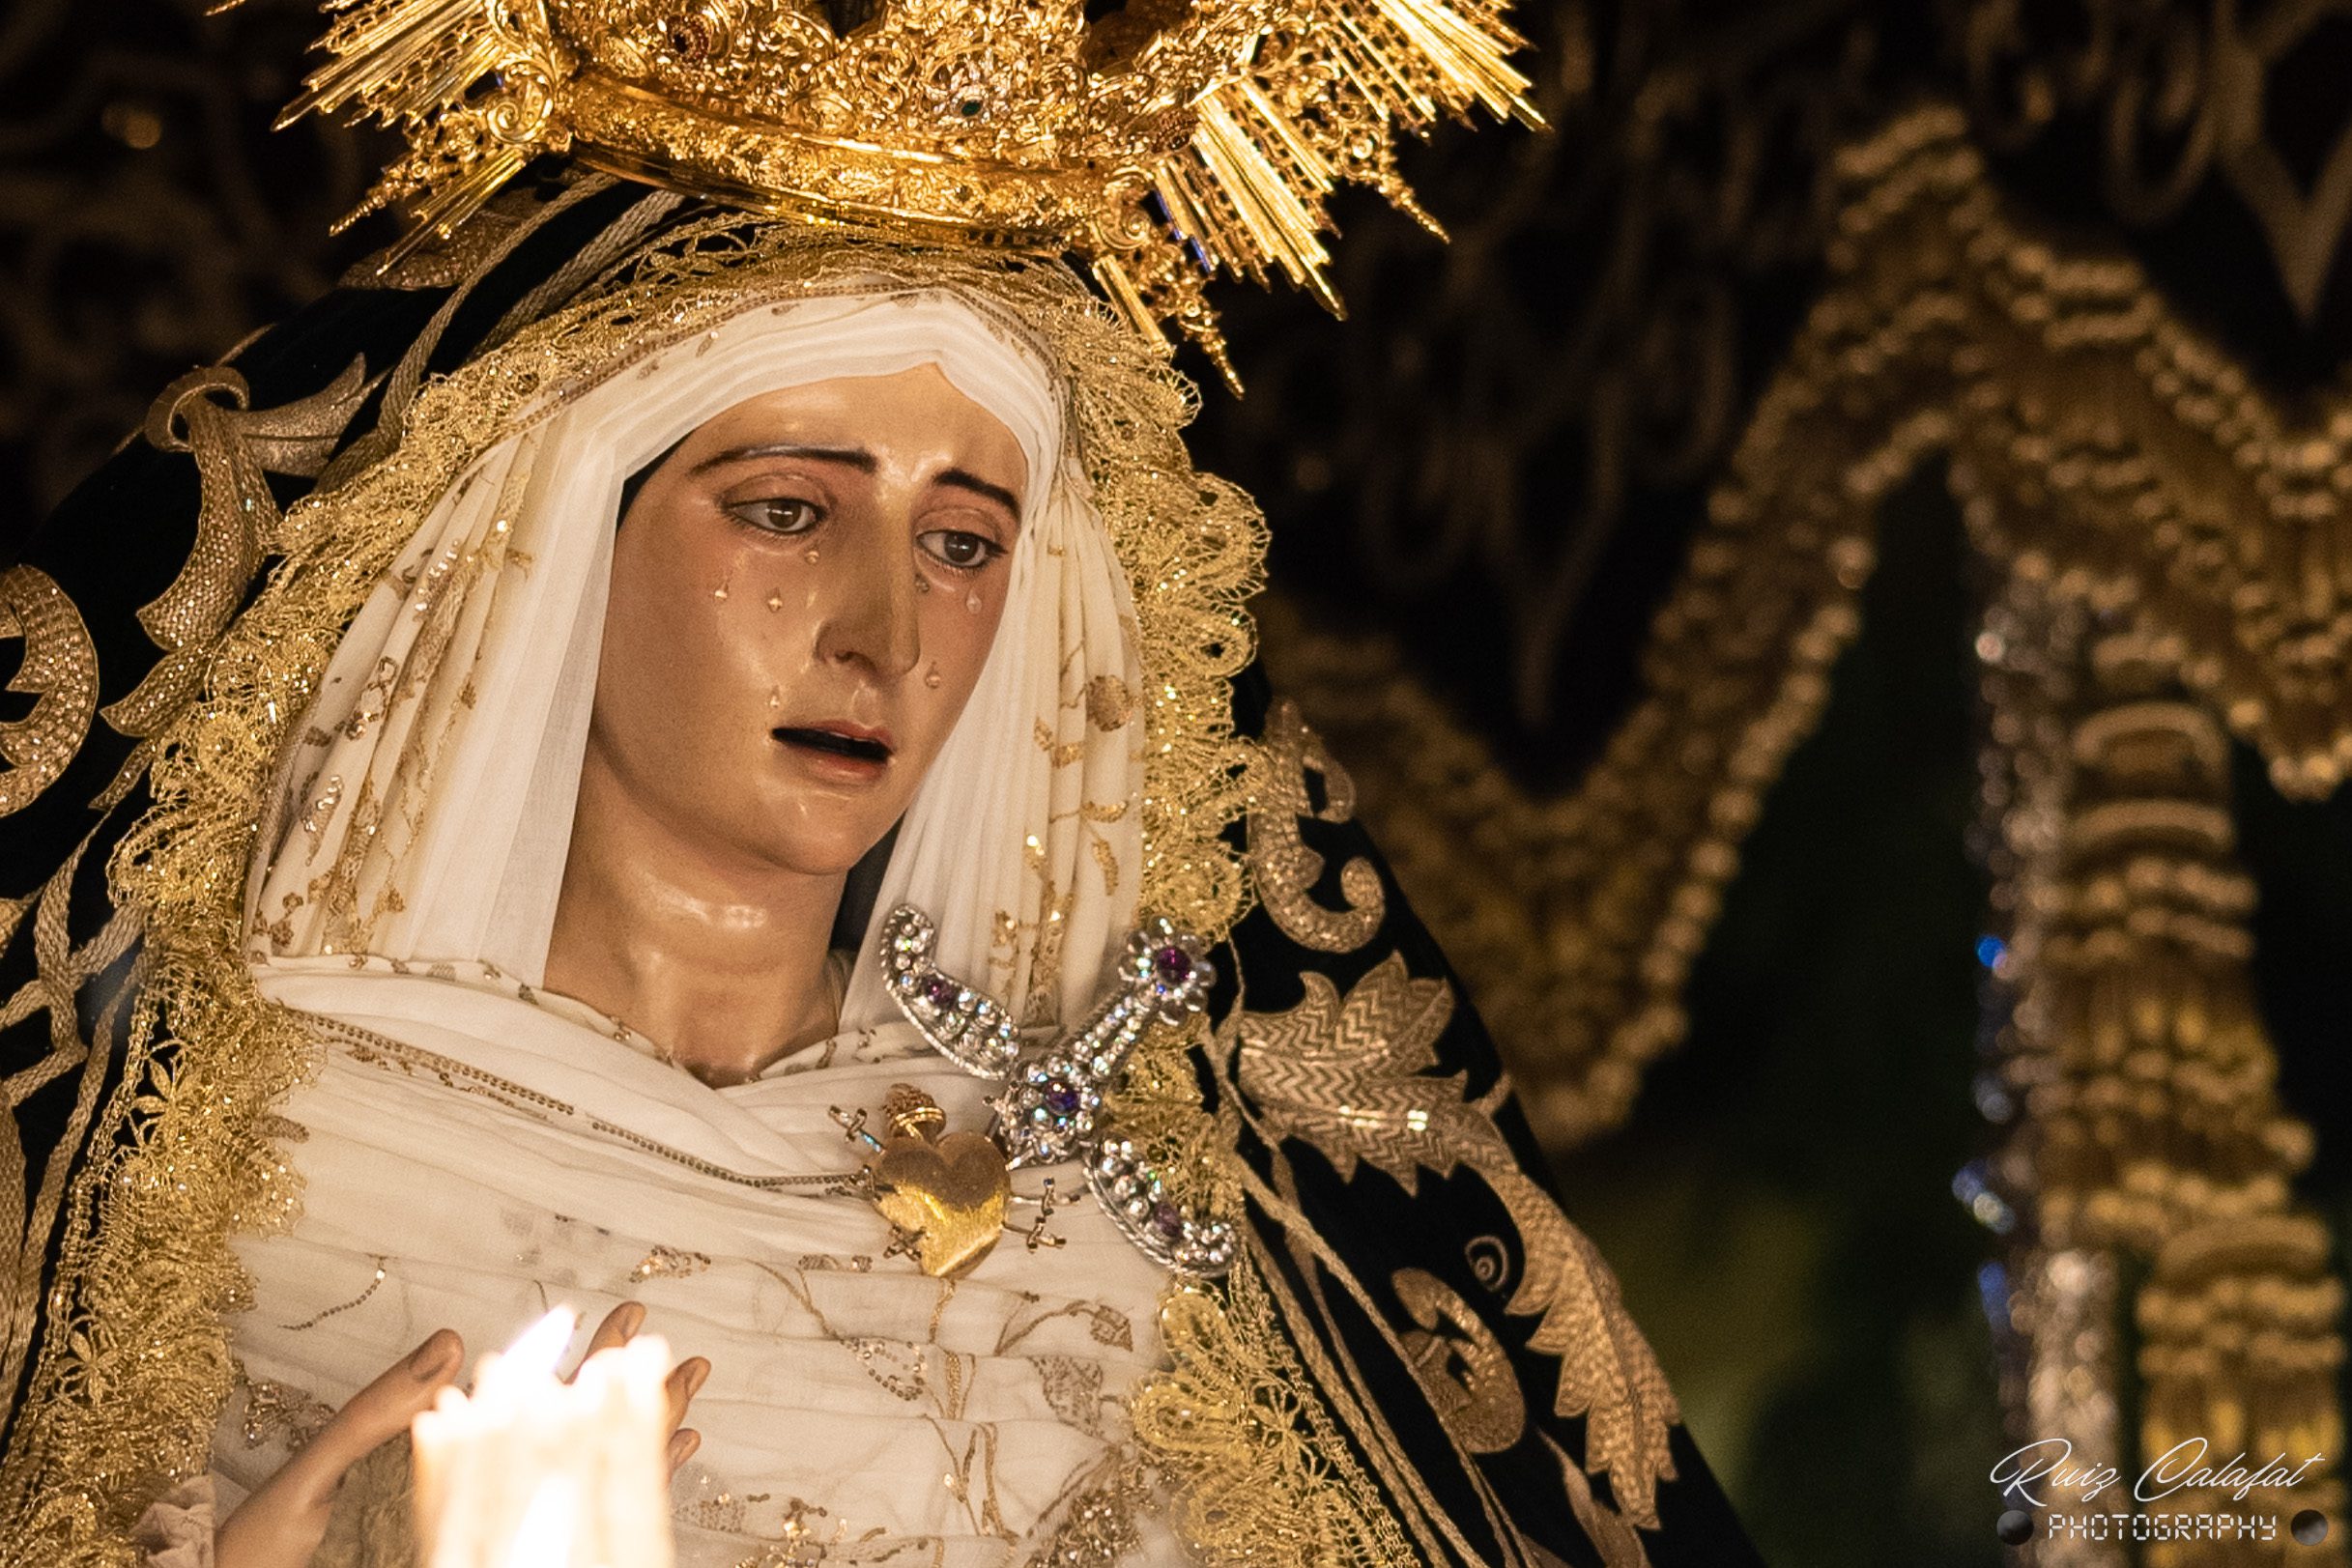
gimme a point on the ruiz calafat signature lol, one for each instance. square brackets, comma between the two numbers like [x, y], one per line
[2049, 1464]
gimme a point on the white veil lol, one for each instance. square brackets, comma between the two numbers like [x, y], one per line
[426, 804]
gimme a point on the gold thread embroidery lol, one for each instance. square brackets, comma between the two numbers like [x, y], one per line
[280, 1413]
[59, 670]
[1347, 1077]
[670, 1263]
[237, 517]
[1225, 1425]
[1109, 704]
[1333, 1368]
[1098, 1526]
[1282, 868]
[1619, 1546]
[61, 971]
[1072, 1387]
[1460, 1364]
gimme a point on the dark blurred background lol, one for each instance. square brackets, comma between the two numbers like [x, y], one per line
[1482, 488]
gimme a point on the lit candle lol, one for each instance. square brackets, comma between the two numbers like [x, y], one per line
[530, 1471]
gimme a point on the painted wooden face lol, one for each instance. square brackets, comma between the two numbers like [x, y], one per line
[803, 595]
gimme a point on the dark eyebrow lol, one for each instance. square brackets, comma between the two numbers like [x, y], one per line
[854, 457]
[863, 461]
[962, 479]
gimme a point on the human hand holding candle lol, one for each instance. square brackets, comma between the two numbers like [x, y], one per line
[282, 1523]
[530, 1471]
[284, 1520]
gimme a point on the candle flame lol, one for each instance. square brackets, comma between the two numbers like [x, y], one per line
[544, 1537]
[533, 1356]
[533, 1470]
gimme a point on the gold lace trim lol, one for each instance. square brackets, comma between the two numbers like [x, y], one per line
[1260, 1471]
[135, 1366]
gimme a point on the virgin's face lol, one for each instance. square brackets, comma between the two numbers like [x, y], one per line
[803, 594]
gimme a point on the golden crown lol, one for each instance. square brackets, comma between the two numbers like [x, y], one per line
[1158, 141]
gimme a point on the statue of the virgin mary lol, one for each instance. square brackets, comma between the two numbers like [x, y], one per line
[687, 747]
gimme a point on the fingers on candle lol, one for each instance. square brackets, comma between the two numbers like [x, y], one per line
[376, 1414]
[685, 1381]
[683, 1444]
[429, 1361]
[620, 1326]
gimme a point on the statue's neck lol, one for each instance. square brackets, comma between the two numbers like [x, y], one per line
[723, 964]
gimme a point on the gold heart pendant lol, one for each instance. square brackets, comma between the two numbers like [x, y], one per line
[948, 1191]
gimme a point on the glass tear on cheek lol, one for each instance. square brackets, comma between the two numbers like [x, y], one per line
[720, 592]
[775, 697]
[971, 601]
[932, 677]
[809, 555]
[922, 583]
[775, 600]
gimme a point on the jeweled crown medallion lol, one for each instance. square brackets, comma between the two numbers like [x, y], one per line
[1160, 141]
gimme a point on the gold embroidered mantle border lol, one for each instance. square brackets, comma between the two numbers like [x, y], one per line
[2166, 488]
[135, 1367]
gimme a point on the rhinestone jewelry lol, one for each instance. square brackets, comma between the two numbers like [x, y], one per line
[961, 1024]
[1051, 1108]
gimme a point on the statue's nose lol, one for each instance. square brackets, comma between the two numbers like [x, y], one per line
[870, 591]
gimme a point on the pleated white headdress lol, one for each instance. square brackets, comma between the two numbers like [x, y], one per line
[426, 804]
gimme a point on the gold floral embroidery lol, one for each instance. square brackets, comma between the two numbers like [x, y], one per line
[1460, 1364]
[280, 1413]
[856, 1263]
[1109, 704]
[1063, 752]
[803, 1541]
[1618, 1544]
[59, 670]
[1260, 1476]
[1348, 1079]
[899, 1366]
[1072, 1387]
[1282, 868]
[670, 1263]
[1098, 1528]
[975, 1463]
[237, 521]
[1106, 1324]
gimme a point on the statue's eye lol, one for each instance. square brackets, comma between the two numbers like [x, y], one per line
[964, 552]
[778, 514]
